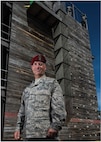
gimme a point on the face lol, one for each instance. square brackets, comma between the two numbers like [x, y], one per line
[38, 69]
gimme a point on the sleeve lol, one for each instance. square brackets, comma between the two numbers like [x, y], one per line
[21, 115]
[58, 112]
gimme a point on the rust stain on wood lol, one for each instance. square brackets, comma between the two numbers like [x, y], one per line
[10, 114]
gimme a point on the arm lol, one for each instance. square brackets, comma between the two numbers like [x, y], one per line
[20, 120]
[58, 112]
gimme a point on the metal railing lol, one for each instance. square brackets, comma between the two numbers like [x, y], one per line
[77, 14]
[70, 9]
[5, 41]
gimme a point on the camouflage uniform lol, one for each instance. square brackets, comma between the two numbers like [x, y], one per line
[42, 107]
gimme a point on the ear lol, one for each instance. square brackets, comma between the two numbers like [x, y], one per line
[45, 67]
[31, 66]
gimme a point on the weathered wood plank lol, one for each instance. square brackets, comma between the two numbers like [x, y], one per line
[26, 41]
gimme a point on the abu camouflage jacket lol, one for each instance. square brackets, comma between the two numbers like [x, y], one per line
[42, 107]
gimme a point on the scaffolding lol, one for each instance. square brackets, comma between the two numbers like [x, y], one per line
[6, 13]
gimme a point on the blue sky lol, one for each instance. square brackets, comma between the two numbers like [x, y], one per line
[92, 10]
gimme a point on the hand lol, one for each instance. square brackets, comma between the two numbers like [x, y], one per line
[17, 135]
[51, 133]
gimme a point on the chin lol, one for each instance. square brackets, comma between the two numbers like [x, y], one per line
[39, 74]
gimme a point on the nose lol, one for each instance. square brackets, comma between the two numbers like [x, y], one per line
[37, 66]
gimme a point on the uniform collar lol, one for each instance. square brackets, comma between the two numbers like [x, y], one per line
[37, 81]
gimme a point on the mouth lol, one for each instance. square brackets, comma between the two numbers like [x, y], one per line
[38, 71]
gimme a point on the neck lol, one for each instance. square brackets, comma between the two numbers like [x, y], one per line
[38, 76]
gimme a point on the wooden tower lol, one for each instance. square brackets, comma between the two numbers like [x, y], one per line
[52, 29]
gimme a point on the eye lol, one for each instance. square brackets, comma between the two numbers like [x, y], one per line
[40, 64]
[35, 63]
